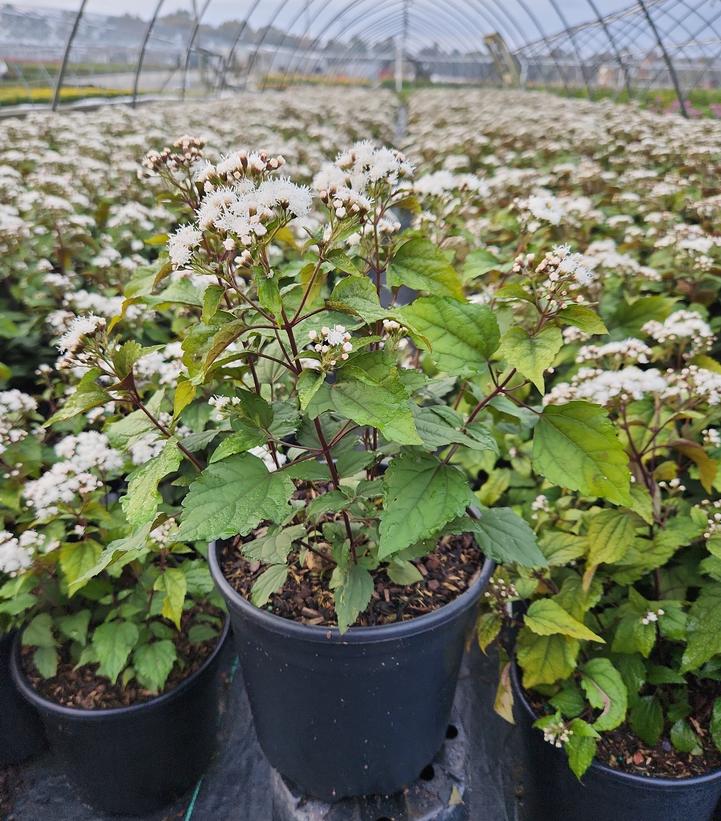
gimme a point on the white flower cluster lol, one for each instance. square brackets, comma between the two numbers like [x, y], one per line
[553, 210]
[263, 453]
[711, 437]
[164, 533]
[14, 408]
[70, 479]
[539, 505]
[16, 552]
[564, 274]
[181, 244]
[70, 344]
[652, 616]
[442, 183]
[332, 343]
[608, 387]
[628, 350]
[557, 733]
[166, 365]
[712, 511]
[685, 328]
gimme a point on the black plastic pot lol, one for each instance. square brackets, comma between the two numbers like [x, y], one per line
[134, 760]
[357, 714]
[604, 794]
[21, 731]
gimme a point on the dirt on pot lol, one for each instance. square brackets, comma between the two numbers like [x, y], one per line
[82, 687]
[306, 597]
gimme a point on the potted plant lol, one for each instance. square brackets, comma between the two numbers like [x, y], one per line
[615, 658]
[325, 447]
[121, 649]
[21, 733]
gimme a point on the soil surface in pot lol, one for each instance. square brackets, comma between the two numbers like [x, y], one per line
[623, 750]
[307, 598]
[84, 688]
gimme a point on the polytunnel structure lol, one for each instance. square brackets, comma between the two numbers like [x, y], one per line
[197, 47]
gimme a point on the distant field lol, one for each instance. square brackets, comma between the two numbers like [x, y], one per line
[18, 94]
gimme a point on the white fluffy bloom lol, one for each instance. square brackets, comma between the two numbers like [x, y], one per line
[607, 387]
[80, 327]
[182, 243]
[263, 452]
[16, 552]
[89, 449]
[685, 327]
[627, 350]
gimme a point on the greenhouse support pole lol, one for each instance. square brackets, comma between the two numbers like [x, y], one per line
[666, 57]
[189, 50]
[66, 56]
[614, 47]
[143, 47]
[569, 32]
[236, 40]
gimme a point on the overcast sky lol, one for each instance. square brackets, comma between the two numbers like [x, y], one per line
[576, 11]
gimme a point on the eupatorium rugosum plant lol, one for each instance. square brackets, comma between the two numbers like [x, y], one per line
[328, 405]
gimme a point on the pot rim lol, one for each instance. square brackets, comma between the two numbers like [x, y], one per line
[661, 782]
[81, 714]
[374, 634]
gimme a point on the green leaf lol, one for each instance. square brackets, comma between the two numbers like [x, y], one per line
[684, 739]
[307, 386]
[545, 659]
[530, 355]
[173, 584]
[232, 497]
[547, 618]
[274, 547]
[463, 336]
[141, 501]
[610, 535]
[45, 660]
[127, 549]
[438, 425]
[153, 664]
[421, 265]
[358, 296]
[238, 442]
[126, 356]
[403, 572]
[646, 719]
[87, 395]
[343, 262]
[74, 626]
[488, 627]
[268, 583]
[703, 629]
[184, 395]
[371, 393]
[211, 300]
[581, 746]
[76, 559]
[113, 642]
[503, 536]
[352, 593]
[421, 495]
[605, 691]
[583, 318]
[630, 317]
[39, 633]
[560, 548]
[479, 262]
[575, 446]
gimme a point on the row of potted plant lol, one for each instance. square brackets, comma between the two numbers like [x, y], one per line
[324, 435]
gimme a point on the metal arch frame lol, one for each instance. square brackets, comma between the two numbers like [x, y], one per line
[666, 57]
[536, 22]
[614, 47]
[336, 19]
[374, 28]
[236, 41]
[570, 34]
[143, 47]
[66, 56]
[268, 26]
[191, 43]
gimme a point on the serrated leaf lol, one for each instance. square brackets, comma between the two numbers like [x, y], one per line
[684, 739]
[174, 585]
[270, 581]
[153, 663]
[232, 497]
[463, 336]
[581, 746]
[240, 441]
[646, 719]
[274, 547]
[605, 691]
[403, 572]
[546, 617]
[421, 495]
[74, 626]
[308, 384]
[545, 659]
[343, 262]
[352, 594]
[439, 425]
[703, 629]
[421, 265]
[112, 644]
[141, 501]
[358, 296]
[531, 355]
[575, 446]
[583, 318]
[45, 660]
[503, 536]
[39, 633]
[611, 533]
[77, 558]
[86, 396]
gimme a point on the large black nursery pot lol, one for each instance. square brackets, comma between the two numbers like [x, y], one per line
[604, 794]
[135, 760]
[355, 714]
[21, 731]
